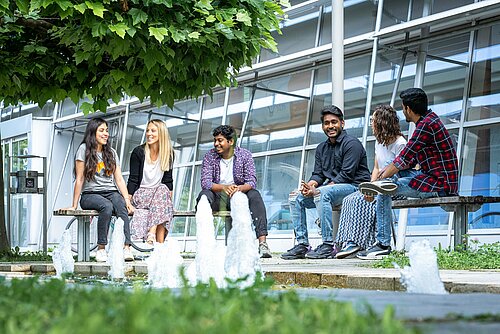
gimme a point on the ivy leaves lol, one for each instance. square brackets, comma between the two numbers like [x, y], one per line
[167, 50]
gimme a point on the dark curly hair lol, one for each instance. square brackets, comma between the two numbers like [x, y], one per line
[91, 160]
[227, 131]
[386, 124]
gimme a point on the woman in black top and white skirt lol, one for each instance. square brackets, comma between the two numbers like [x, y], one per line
[150, 184]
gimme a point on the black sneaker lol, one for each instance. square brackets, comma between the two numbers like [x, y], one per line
[375, 252]
[323, 251]
[297, 252]
[349, 249]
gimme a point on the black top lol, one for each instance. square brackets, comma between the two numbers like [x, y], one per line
[137, 169]
[342, 162]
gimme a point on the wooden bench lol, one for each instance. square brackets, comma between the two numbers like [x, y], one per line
[83, 227]
[459, 205]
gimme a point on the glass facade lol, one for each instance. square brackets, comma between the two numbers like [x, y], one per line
[449, 48]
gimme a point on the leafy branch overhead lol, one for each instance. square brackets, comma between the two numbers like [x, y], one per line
[165, 50]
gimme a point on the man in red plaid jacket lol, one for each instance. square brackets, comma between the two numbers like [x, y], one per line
[431, 151]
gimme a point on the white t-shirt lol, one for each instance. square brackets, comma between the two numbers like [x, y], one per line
[151, 174]
[386, 154]
[226, 171]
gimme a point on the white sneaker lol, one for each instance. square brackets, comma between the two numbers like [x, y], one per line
[127, 254]
[383, 187]
[101, 255]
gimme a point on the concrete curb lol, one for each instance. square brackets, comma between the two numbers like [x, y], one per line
[344, 274]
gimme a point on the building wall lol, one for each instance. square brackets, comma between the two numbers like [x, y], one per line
[275, 108]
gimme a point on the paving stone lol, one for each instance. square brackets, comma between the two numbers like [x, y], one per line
[15, 267]
[20, 274]
[370, 283]
[100, 269]
[283, 278]
[334, 281]
[44, 268]
[308, 279]
[83, 268]
[140, 269]
[471, 288]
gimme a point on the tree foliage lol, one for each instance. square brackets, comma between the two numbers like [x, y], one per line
[165, 50]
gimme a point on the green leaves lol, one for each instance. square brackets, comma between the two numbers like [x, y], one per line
[96, 7]
[138, 16]
[158, 33]
[243, 16]
[120, 29]
[167, 50]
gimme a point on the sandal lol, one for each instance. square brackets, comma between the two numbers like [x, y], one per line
[151, 238]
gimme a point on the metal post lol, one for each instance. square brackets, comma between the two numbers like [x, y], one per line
[45, 209]
[9, 209]
[371, 76]
[124, 132]
[338, 53]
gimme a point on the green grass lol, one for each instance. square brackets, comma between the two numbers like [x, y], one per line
[53, 306]
[486, 256]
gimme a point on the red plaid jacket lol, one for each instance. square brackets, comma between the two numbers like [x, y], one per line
[431, 147]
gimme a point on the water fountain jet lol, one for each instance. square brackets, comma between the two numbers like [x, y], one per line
[422, 276]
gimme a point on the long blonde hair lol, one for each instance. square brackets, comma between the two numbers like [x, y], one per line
[166, 151]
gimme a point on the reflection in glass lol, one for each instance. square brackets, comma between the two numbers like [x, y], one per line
[481, 170]
[183, 128]
[239, 103]
[277, 120]
[484, 101]
[359, 18]
[277, 176]
[298, 33]
[213, 111]
[447, 103]
[20, 203]
[355, 85]
[396, 11]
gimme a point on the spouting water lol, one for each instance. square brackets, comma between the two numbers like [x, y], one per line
[209, 259]
[422, 276]
[164, 265]
[62, 257]
[242, 256]
[115, 252]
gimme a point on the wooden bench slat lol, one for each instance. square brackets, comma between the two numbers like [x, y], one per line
[180, 213]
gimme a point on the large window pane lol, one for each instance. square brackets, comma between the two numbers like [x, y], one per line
[484, 101]
[213, 111]
[447, 103]
[359, 18]
[277, 175]
[396, 11]
[182, 127]
[356, 72]
[298, 33]
[135, 136]
[20, 203]
[481, 171]
[277, 120]
[239, 103]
